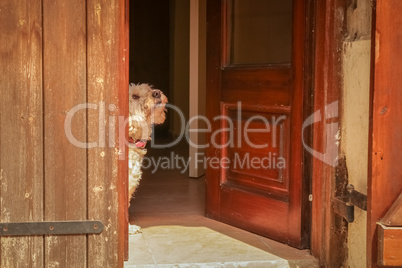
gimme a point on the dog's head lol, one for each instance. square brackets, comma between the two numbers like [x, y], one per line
[147, 107]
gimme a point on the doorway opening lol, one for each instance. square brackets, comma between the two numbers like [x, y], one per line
[168, 206]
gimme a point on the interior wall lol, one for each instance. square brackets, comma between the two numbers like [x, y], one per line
[197, 85]
[179, 62]
[355, 117]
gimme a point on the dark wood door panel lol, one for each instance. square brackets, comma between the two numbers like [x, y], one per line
[258, 149]
[256, 210]
[268, 100]
[267, 86]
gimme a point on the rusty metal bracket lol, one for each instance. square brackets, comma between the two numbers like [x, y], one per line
[345, 206]
[50, 228]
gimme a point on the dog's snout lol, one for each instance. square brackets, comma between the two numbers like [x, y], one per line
[156, 94]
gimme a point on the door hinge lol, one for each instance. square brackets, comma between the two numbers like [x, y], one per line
[345, 206]
[50, 228]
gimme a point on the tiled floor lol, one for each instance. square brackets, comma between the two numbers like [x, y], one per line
[169, 208]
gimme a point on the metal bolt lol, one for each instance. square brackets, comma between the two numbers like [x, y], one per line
[51, 228]
[350, 188]
[5, 229]
[95, 226]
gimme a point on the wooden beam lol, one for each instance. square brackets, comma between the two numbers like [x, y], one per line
[389, 245]
[107, 162]
[328, 230]
[390, 236]
[384, 183]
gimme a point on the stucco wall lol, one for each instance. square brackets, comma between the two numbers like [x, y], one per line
[355, 117]
[354, 143]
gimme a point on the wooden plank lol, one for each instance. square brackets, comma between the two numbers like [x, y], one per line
[389, 245]
[64, 26]
[107, 86]
[214, 28]
[384, 183]
[123, 108]
[21, 128]
[328, 230]
[308, 109]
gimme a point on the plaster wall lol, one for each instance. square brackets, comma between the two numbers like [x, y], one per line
[354, 145]
[355, 117]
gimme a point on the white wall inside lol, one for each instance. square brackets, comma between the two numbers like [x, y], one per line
[197, 97]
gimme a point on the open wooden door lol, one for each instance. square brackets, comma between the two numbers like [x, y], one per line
[255, 87]
[63, 163]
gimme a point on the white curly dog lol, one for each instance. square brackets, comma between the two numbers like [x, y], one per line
[146, 107]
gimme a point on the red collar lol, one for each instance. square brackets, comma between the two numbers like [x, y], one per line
[138, 143]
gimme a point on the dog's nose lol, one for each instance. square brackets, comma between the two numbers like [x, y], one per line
[156, 94]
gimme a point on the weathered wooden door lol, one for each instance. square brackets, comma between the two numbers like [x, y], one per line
[61, 80]
[255, 83]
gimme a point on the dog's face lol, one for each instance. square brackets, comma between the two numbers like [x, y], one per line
[147, 107]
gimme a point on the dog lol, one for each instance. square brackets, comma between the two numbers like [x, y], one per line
[146, 108]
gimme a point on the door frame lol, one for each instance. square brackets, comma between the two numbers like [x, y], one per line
[384, 187]
[328, 230]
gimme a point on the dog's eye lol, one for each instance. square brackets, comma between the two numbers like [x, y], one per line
[135, 97]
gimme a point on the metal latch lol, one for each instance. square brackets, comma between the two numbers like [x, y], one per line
[50, 228]
[345, 206]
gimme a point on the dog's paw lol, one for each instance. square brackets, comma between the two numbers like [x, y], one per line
[134, 229]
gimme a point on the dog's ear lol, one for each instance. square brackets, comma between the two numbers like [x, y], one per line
[159, 115]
